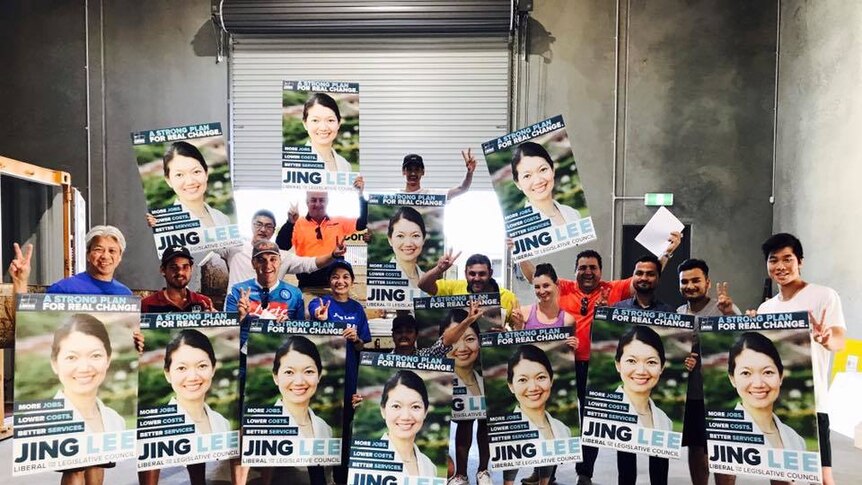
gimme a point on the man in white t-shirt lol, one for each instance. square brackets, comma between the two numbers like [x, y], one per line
[783, 254]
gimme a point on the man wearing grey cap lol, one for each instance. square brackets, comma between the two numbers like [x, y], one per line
[267, 295]
[413, 169]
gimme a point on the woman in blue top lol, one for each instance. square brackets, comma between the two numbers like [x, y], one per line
[339, 307]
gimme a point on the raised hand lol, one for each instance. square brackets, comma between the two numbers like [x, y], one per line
[517, 319]
[447, 260]
[19, 268]
[473, 311]
[244, 303]
[321, 313]
[469, 160]
[821, 332]
[725, 303]
[293, 212]
[340, 248]
[359, 184]
[690, 362]
[151, 220]
[674, 239]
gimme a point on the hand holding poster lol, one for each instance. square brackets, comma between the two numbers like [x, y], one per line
[407, 239]
[531, 398]
[294, 391]
[401, 428]
[186, 178]
[480, 312]
[759, 396]
[635, 393]
[75, 381]
[320, 133]
[188, 403]
[536, 179]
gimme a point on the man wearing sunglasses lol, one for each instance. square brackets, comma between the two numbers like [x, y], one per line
[580, 298]
[239, 260]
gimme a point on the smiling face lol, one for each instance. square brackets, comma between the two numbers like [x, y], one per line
[413, 173]
[406, 241]
[262, 228]
[535, 179]
[404, 413]
[340, 282]
[297, 378]
[466, 350]
[266, 268]
[322, 125]
[588, 273]
[316, 202]
[404, 337]
[190, 374]
[645, 277]
[531, 384]
[188, 179]
[756, 379]
[783, 266]
[477, 276]
[545, 288]
[693, 284]
[639, 367]
[103, 257]
[81, 364]
[177, 272]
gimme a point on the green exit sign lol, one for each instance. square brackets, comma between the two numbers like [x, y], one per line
[658, 199]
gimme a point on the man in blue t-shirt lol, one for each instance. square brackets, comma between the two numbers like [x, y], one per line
[105, 247]
[268, 297]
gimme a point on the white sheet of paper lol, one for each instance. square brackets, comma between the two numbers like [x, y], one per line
[655, 233]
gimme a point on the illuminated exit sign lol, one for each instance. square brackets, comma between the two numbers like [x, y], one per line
[658, 199]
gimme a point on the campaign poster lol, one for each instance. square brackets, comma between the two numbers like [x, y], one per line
[185, 174]
[188, 403]
[636, 384]
[320, 135]
[759, 396]
[406, 240]
[401, 426]
[535, 175]
[294, 394]
[532, 401]
[434, 315]
[76, 381]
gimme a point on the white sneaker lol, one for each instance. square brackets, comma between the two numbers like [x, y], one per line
[459, 480]
[483, 478]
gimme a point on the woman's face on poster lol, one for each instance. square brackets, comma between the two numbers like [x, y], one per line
[535, 178]
[322, 125]
[191, 373]
[404, 413]
[531, 384]
[406, 240]
[297, 378]
[466, 350]
[187, 177]
[81, 364]
[639, 367]
[756, 379]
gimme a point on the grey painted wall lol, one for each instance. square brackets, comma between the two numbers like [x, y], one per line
[819, 163]
[695, 118]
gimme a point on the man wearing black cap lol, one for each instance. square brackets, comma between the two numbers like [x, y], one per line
[413, 169]
[176, 268]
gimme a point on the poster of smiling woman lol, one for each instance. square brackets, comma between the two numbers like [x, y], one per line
[320, 135]
[759, 396]
[185, 174]
[636, 384]
[188, 406]
[76, 381]
[535, 175]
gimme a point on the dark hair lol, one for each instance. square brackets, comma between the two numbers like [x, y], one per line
[643, 334]
[588, 253]
[192, 338]
[84, 323]
[184, 149]
[545, 269]
[340, 263]
[322, 99]
[457, 315]
[264, 213]
[692, 263]
[528, 149]
[407, 213]
[479, 259]
[408, 379]
[404, 320]
[780, 241]
[650, 258]
[758, 343]
[529, 352]
[300, 344]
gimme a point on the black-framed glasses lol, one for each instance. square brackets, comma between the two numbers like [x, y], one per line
[585, 303]
[258, 225]
[264, 298]
[318, 233]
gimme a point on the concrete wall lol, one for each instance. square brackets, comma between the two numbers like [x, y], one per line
[819, 163]
[696, 86]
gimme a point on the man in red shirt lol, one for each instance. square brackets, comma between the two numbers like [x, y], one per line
[580, 299]
[176, 268]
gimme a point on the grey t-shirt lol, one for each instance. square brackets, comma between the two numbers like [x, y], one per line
[695, 378]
